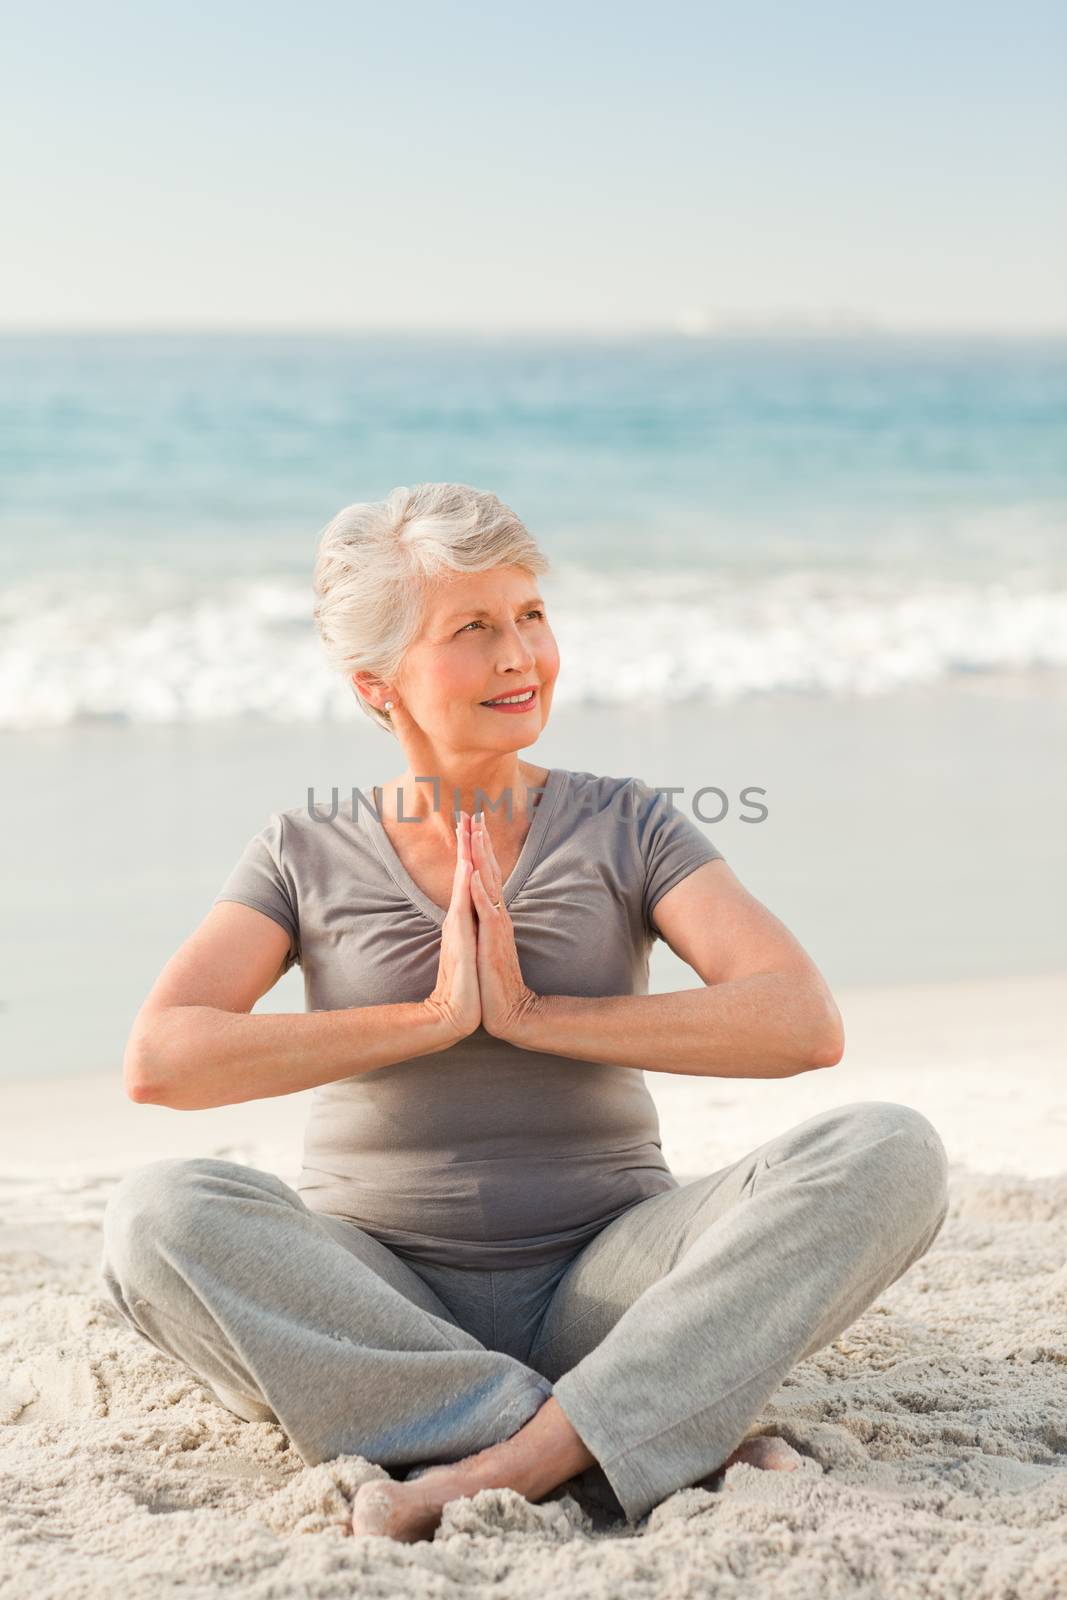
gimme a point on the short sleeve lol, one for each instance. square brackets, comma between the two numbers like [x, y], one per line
[669, 842]
[263, 880]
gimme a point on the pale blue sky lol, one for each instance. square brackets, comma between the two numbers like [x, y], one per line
[469, 166]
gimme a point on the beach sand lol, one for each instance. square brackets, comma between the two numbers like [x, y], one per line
[934, 1430]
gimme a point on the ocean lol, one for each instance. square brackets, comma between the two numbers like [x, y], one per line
[724, 517]
[832, 569]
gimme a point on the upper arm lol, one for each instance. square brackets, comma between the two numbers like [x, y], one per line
[711, 920]
[722, 931]
[228, 962]
[695, 902]
[698, 906]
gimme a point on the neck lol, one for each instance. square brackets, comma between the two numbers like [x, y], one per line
[484, 782]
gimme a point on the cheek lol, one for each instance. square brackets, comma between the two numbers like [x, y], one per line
[548, 660]
[460, 676]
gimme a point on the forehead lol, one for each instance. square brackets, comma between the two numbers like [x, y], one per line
[481, 593]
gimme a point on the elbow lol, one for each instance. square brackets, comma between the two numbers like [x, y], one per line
[156, 1066]
[139, 1087]
[828, 1055]
[139, 1077]
[828, 1044]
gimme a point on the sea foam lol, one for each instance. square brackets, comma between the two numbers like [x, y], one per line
[157, 647]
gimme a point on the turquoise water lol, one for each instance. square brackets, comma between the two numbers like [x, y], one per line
[724, 522]
[771, 511]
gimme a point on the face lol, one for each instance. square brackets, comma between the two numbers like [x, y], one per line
[484, 634]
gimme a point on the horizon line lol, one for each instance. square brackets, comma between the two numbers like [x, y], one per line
[739, 330]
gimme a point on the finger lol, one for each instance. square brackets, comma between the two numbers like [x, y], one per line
[486, 861]
[460, 882]
[461, 896]
[485, 835]
[461, 899]
[482, 897]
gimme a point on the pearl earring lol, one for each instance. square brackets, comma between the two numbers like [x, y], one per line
[388, 705]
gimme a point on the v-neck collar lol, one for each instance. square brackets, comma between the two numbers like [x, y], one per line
[531, 845]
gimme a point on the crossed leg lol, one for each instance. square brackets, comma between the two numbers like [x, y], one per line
[676, 1323]
[659, 1346]
[302, 1319]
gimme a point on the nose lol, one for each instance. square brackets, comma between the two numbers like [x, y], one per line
[519, 655]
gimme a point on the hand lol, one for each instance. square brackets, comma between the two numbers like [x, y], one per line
[455, 997]
[506, 1000]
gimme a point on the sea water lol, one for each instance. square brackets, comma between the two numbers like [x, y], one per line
[725, 517]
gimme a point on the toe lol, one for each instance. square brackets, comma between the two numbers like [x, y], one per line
[769, 1453]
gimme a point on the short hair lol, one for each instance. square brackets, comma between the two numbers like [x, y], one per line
[377, 561]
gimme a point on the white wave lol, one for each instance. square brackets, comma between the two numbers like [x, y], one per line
[158, 648]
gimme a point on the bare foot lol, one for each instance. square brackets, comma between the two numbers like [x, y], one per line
[544, 1452]
[406, 1511]
[767, 1451]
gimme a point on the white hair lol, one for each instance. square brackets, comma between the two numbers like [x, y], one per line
[377, 560]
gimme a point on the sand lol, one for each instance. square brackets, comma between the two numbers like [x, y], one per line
[934, 1430]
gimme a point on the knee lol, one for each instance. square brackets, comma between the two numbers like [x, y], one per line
[900, 1146]
[161, 1200]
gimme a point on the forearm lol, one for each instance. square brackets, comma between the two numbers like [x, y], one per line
[192, 1057]
[768, 1025]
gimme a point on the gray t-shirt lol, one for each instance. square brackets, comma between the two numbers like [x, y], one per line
[484, 1154]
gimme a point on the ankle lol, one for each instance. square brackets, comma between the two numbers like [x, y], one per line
[532, 1462]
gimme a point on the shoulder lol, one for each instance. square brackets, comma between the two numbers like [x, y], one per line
[624, 804]
[654, 820]
[605, 791]
[326, 821]
[325, 807]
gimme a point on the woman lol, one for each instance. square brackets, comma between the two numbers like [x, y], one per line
[487, 1266]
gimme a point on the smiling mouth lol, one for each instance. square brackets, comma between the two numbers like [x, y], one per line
[522, 698]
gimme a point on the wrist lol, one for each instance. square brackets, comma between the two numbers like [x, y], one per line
[528, 1020]
[440, 1029]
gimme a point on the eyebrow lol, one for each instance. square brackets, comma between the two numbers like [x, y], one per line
[535, 600]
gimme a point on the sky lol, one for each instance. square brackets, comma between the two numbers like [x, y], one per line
[597, 167]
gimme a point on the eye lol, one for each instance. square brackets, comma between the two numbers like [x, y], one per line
[476, 624]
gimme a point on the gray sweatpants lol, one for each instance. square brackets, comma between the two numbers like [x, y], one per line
[661, 1338]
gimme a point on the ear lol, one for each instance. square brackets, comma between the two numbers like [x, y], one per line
[373, 690]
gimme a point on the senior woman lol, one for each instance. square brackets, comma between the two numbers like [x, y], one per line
[487, 1274]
